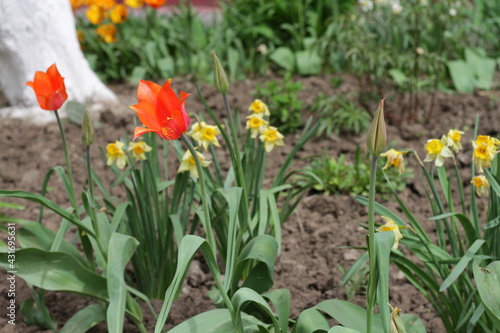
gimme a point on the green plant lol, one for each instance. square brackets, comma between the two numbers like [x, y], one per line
[286, 108]
[476, 71]
[449, 271]
[339, 116]
[331, 175]
[357, 284]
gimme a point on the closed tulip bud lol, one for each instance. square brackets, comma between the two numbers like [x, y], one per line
[88, 133]
[220, 78]
[377, 133]
[396, 325]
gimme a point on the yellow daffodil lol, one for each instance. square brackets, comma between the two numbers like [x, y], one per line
[271, 137]
[134, 3]
[482, 186]
[95, 14]
[139, 149]
[116, 154]
[390, 225]
[205, 134]
[118, 14]
[395, 158]
[437, 150]
[485, 149]
[256, 124]
[107, 32]
[454, 137]
[259, 107]
[188, 163]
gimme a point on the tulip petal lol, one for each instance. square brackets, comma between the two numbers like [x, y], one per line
[147, 91]
[138, 131]
[147, 114]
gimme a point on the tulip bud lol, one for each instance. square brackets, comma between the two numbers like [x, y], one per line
[220, 78]
[377, 134]
[88, 133]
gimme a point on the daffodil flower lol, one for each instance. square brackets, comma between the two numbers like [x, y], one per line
[482, 186]
[116, 154]
[271, 137]
[454, 137]
[259, 107]
[395, 159]
[256, 124]
[205, 134]
[390, 225]
[485, 149]
[188, 163]
[139, 149]
[437, 150]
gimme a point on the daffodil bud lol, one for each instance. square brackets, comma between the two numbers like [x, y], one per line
[88, 133]
[377, 134]
[220, 78]
[396, 325]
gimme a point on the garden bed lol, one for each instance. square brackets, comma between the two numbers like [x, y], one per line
[314, 237]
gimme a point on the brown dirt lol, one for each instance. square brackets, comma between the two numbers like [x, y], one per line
[313, 236]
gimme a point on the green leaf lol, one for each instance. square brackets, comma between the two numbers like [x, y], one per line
[243, 296]
[308, 63]
[11, 205]
[342, 329]
[49, 204]
[462, 76]
[484, 68]
[284, 58]
[263, 249]
[56, 271]
[85, 319]
[75, 112]
[37, 316]
[281, 301]
[216, 321]
[398, 76]
[488, 282]
[462, 264]
[383, 244]
[310, 321]
[470, 232]
[121, 248]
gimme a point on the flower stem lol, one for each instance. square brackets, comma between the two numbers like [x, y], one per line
[72, 196]
[372, 282]
[204, 197]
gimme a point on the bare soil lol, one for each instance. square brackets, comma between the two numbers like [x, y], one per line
[315, 237]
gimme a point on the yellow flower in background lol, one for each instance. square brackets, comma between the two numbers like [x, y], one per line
[454, 137]
[256, 124]
[75, 4]
[116, 154]
[188, 163]
[271, 137]
[107, 32]
[205, 134]
[95, 14]
[390, 225]
[395, 159]
[134, 3]
[105, 4]
[80, 35]
[139, 149]
[482, 186]
[259, 107]
[485, 150]
[118, 14]
[437, 150]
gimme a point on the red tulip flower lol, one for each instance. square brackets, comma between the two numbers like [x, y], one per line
[49, 89]
[160, 111]
[156, 3]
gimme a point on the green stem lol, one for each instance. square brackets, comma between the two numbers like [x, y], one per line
[372, 283]
[72, 196]
[90, 180]
[204, 197]
[238, 167]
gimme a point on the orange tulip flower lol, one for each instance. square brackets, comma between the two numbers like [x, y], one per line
[49, 89]
[155, 3]
[160, 110]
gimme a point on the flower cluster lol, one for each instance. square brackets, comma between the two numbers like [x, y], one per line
[259, 126]
[107, 13]
[116, 152]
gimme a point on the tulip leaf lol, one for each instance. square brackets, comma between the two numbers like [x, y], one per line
[56, 271]
[311, 320]
[487, 281]
[85, 319]
[121, 248]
